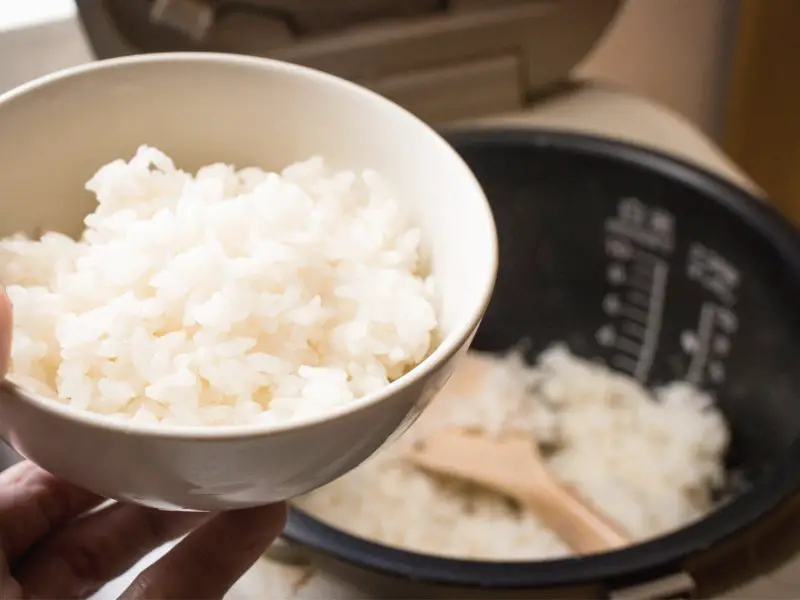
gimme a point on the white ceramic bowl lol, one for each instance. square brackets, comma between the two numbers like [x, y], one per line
[205, 108]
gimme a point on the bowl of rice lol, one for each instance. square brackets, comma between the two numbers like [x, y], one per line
[233, 279]
[644, 332]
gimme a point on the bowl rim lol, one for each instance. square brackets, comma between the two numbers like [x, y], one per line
[447, 348]
[646, 560]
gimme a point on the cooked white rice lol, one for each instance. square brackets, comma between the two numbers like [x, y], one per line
[226, 297]
[651, 461]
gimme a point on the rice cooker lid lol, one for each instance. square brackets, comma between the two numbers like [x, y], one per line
[445, 60]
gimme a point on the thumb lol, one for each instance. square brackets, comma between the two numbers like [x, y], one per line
[6, 314]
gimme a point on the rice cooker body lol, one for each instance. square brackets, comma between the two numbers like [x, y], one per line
[571, 209]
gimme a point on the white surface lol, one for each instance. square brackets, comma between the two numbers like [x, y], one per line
[15, 15]
[38, 37]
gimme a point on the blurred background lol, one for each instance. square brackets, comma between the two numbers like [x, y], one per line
[729, 66]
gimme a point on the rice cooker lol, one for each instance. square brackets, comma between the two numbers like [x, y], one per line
[482, 62]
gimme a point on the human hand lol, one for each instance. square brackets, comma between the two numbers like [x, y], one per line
[50, 547]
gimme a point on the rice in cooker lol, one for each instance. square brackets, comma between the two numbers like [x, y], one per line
[225, 297]
[652, 461]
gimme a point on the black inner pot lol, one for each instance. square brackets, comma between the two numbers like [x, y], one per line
[659, 270]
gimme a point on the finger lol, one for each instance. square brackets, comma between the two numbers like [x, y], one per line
[207, 563]
[5, 331]
[9, 587]
[84, 555]
[33, 503]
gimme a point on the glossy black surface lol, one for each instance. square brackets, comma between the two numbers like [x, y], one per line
[729, 256]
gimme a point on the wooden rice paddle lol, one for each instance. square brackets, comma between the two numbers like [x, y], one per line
[512, 465]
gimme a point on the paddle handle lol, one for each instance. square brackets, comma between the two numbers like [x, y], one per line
[575, 520]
